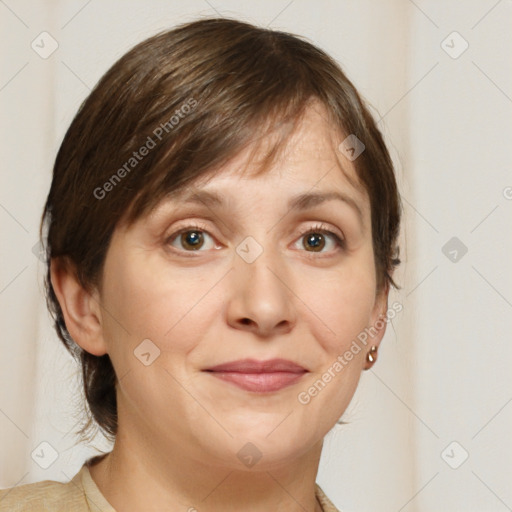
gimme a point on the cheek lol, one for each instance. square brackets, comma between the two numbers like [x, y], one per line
[342, 303]
[148, 300]
[342, 306]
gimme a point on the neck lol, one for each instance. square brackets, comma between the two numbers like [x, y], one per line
[141, 475]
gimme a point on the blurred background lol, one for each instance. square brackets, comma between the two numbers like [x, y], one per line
[429, 427]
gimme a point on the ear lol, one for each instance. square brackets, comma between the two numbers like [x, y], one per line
[378, 321]
[81, 310]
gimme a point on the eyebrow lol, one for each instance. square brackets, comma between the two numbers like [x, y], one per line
[299, 202]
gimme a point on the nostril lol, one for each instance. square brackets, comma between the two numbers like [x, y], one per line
[246, 321]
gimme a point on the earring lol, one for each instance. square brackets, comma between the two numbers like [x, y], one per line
[371, 357]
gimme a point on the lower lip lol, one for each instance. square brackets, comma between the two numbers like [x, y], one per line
[260, 382]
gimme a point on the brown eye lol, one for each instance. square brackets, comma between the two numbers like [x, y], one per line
[316, 241]
[190, 239]
[316, 238]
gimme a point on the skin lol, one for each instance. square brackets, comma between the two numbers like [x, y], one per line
[180, 428]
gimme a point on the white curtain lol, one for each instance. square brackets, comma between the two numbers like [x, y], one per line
[429, 427]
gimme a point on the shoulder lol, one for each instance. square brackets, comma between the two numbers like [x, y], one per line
[327, 504]
[47, 495]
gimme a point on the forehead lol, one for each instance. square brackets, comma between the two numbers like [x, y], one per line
[310, 154]
[307, 170]
[312, 138]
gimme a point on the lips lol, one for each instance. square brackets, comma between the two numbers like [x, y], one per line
[254, 366]
[259, 376]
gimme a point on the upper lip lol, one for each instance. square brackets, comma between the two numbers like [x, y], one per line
[255, 366]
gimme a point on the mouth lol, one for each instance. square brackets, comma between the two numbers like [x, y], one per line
[259, 376]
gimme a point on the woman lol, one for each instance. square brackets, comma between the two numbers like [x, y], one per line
[221, 237]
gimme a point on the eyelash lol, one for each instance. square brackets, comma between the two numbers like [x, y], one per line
[318, 228]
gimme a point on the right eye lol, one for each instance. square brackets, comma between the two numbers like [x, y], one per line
[190, 239]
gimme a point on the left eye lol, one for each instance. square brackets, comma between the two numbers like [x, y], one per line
[192, 238]
[315, 238]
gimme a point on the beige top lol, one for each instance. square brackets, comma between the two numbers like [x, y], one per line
[80, 494]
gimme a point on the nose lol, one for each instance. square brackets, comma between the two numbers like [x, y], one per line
[260, 297]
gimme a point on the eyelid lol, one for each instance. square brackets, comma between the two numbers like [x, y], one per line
[190, 226]
[320, 227]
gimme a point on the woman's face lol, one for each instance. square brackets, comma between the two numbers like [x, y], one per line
[241, 281]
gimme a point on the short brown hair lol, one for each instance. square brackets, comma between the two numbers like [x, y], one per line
[194, 97]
